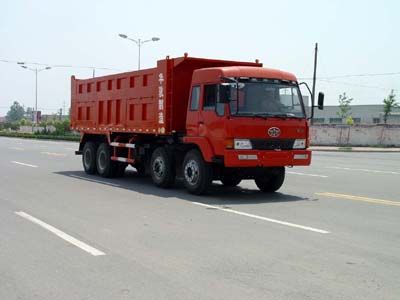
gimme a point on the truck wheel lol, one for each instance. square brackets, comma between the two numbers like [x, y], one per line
[105, 166]
[230, 180]
[197, 173]
[89, 158]
[162, 168]
[272, 180]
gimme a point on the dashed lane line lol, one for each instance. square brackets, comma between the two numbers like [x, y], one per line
[66, 237]
[263, 218]
[307, 174]
[24, 164]
[54, 154]
[16, 148]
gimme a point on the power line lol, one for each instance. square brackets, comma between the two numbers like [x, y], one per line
[59, 65]
[357, 85]
[354, 75]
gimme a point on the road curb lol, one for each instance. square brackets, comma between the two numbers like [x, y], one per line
[357, 150]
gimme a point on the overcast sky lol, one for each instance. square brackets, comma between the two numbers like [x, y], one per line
[355, 37]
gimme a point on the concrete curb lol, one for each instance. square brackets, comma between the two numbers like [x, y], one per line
[355, 149]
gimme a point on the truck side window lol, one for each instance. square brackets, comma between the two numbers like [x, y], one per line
[210, 96]
[195, 99]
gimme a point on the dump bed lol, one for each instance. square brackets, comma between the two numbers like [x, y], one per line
[152, 101]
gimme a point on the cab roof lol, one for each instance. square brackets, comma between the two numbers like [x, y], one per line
[214, 74]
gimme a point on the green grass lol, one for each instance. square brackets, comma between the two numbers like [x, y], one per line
[74, 138]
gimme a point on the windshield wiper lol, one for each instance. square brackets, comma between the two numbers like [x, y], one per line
[263, 116]
[284, 116]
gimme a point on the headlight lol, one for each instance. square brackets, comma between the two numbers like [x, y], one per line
[242, 144]
[299, 144]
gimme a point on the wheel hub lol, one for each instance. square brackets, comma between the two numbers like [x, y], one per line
[158, 167]
[192, 172]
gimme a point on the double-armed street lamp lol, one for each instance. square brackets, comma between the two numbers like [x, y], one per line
[36, 71]
[139, 43]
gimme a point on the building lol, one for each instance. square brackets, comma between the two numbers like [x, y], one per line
[361, 114]
[54, 117]
[3, 119]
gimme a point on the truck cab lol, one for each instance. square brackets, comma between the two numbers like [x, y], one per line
[244, 111]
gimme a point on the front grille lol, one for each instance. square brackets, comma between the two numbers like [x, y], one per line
[271, 144]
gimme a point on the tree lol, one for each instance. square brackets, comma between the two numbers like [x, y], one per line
[29, 113]
[15, 113]
[350, 121]
[344, 106]
[389, 103]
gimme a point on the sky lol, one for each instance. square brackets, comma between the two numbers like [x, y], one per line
[354, 37]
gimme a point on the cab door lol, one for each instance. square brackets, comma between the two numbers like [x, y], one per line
[193, 117]
[212, 118]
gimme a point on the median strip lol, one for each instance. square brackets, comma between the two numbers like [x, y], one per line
[359, 198]
[66, 237]
[263, 218]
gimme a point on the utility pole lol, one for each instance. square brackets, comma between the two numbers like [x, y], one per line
[314, 80]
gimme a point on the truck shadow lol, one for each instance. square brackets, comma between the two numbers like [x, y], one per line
[217, 195]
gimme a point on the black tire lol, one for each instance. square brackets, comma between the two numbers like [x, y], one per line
[272, 180]
[197, 174]
[105, 166]
[162, 168]
[230, 180]
[89, 158]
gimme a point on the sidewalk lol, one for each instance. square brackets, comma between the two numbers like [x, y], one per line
[354, 149]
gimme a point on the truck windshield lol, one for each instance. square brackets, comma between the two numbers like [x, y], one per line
[263, 98]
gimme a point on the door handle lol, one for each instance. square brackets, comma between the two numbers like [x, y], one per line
[200, 123]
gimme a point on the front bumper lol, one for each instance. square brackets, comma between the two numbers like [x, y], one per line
[266, 158]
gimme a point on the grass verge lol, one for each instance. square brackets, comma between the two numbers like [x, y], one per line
[73, 138]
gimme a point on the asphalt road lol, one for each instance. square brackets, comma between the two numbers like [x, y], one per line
[332, 232]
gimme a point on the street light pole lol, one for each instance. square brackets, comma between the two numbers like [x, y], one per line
[36, 71]
[139, 43]
[139, 46]
[36, 93]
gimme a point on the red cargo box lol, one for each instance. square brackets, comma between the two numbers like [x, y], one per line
[152, 101]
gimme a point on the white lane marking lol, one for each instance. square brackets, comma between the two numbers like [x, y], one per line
[71, 149]
[16, 148]
[365, 170]
[94, 180]
[24, 164]
[61, 234]
[54, 154]
[305, 174]
[263, 218]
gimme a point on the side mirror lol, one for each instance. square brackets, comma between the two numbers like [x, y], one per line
[321, 97]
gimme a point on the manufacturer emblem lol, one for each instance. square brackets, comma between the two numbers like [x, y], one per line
[274, 132]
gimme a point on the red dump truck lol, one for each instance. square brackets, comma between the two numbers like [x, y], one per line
[194, 118]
